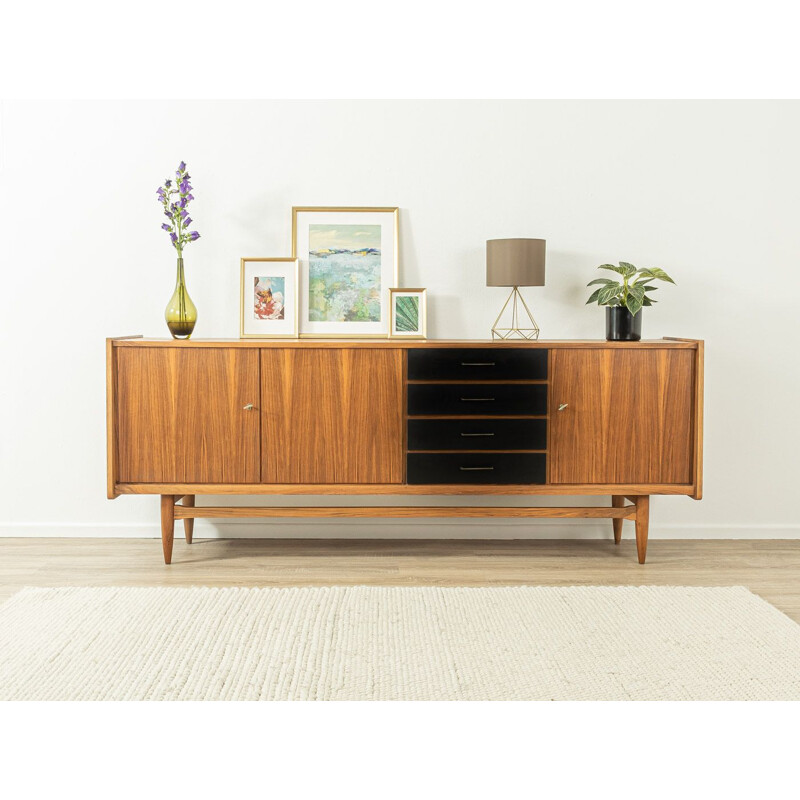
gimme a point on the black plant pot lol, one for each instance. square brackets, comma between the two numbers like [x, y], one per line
[622, 326]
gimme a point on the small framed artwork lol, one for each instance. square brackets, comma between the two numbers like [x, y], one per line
[408, 314]
[348, 262]
[269, 298]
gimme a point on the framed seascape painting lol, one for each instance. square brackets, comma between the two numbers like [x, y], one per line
[408, 314]
[348, 263]
[269, 296]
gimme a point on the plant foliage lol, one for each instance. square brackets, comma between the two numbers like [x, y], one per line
[631, 291]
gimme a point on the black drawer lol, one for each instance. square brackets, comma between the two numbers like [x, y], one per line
[477, 398]
[477, 364]
[477, 434]
[432, 468]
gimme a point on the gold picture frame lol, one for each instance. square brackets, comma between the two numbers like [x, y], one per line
[396, 323]
[286, 327]
[388, 219]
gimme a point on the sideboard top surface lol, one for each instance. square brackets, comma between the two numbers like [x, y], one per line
[402, 344]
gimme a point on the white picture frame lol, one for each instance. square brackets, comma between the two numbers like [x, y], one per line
[268, 298]
[409, 322]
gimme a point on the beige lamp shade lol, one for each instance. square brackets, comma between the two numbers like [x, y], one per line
[515, 262]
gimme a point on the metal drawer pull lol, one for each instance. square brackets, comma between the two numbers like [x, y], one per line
[477, 363]
[248, 407]
[477, 399]
[476, 469]
[477, 434]
[562, 406]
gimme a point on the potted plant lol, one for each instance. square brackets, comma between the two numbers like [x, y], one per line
[625, 299]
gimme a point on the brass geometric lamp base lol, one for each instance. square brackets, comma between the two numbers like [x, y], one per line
[511, 328]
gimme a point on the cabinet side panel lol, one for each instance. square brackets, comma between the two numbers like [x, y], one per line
[698, 421]
[332, 416]
[111, 420]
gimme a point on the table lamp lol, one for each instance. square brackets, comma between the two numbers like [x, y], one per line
[515, 263]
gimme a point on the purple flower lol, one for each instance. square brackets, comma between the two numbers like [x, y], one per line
[175, 195]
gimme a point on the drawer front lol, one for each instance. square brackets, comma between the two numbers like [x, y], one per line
[434, 468]
[475, 434]
[474, 399]
[477, 364]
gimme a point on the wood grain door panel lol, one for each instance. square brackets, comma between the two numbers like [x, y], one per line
[628, 417]
[332, 416]
[181, 416]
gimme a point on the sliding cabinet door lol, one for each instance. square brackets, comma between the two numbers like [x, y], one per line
[626, 416]
[331, 415]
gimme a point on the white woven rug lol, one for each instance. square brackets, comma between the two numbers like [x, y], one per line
[379, 643]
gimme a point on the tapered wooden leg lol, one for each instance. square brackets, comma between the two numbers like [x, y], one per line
[617, 501]
[188, 524]
[167, 525]
[642, 525]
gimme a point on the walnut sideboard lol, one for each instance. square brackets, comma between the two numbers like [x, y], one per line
[389, 417]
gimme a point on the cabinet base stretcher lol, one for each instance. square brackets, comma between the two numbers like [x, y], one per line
[183, 507]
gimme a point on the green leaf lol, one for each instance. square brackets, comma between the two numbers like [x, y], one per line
[604, 281]
[627, 269]
[633, 305]
[608, 293]
[649, 288]
[659, 274]
[620, 270]
[635, 299]
[647, 302]
[595, 294]
[636, 291]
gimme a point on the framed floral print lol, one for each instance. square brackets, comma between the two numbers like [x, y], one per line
[269, 298]
[348, 263]
[408, 314]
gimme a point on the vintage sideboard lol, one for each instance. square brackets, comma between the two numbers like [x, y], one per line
[389, 417]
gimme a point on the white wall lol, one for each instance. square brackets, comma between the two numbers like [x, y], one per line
[710, 191]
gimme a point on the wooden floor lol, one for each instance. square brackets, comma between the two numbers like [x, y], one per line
[768, 568]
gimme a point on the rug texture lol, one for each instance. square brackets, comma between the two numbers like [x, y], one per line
[393, 643]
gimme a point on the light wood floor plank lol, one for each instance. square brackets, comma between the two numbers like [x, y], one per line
[771, 569]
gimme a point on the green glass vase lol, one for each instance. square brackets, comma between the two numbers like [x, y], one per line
[181, 313]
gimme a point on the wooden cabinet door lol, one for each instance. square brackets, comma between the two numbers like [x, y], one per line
[628, 416]
[331, 415]
[181, 416]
